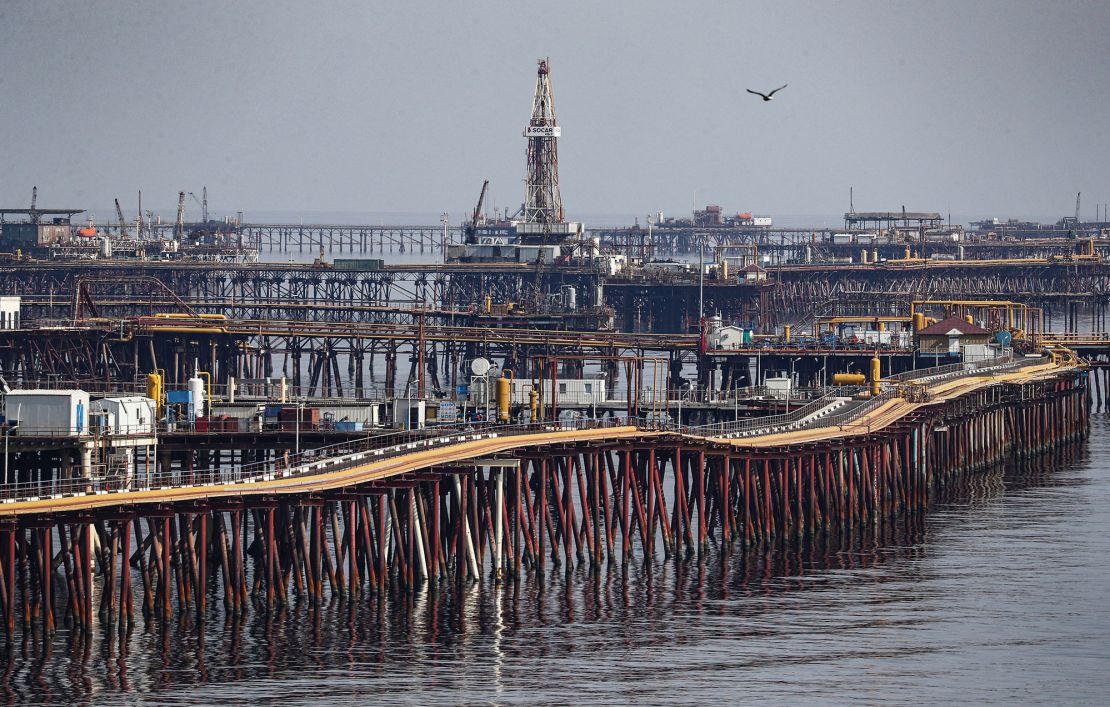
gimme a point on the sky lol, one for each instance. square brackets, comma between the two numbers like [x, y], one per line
[376, 110]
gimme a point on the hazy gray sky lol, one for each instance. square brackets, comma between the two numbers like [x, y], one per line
[978, 108]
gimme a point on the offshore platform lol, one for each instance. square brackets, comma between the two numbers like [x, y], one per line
[538, 232]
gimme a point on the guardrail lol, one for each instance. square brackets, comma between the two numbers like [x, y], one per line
[755, 425]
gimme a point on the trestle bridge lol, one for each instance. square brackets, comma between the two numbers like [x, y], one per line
[451, 508]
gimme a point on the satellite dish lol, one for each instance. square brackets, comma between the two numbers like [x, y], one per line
[479, 366]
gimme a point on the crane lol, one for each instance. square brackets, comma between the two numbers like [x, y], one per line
[477, 218]
[1077, 195]
[202, 204]
[179, 225]
[122, 221]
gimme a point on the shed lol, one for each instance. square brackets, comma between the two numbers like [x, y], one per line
[127, 415]
[55, 413]
[752, 273]
[947, 336]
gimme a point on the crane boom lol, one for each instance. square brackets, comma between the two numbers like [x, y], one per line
[122, 221]
[477, 217]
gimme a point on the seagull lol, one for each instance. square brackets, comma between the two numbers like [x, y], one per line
[767, 96]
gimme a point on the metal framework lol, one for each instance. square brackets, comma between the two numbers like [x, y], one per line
[542, 202]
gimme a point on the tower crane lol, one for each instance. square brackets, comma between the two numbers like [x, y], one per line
[122, 222]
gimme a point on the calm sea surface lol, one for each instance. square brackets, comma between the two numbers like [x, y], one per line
[1002, 594]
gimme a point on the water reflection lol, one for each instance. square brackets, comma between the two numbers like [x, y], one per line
[676, 629]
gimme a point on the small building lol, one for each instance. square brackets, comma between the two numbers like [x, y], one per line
[409, 413]
[48, 413]
[752, 273]
[9, 312]
[946, 337]
[729, 337]
[128, 415]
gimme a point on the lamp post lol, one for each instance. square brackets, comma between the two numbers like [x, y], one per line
[444, 218]
[790, 381]
[297, 429]
[7, 433]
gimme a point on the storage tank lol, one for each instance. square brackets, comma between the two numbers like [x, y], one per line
[195, 386]
[876, 374]
[570, 297]
[849, 379]
[154, 390]
[105, 248]
[504, 388]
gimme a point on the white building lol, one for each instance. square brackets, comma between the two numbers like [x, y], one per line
[127, 415]
[55, 413]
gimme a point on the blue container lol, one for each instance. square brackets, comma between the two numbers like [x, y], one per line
[348, 427]
[273, 410]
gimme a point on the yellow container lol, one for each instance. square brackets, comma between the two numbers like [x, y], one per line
[504, 386]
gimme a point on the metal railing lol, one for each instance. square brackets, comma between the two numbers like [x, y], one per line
[353, 453]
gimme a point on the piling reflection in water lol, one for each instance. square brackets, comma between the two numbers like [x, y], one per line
[637, 604]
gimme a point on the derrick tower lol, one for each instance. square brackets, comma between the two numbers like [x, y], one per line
[542, 203]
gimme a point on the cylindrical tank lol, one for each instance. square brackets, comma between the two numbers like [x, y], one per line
[196, 390]
[907, 252]
[154, 389]
[571, 298]
[487, 304]
[876, 374]
[881, 326]
[533, 405]
[724, 269]
[504, 388]
[874, 255]
[863, 256]
[747, 336]
[849, 379]
[105, 248]
[786, 332]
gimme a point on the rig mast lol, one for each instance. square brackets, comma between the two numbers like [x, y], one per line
[542, 203]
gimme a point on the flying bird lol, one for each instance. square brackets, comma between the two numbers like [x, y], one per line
[767, 96]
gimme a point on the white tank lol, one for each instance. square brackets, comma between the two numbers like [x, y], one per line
[196, 388]
[105, 248]
[595, 246]
[570, 297]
